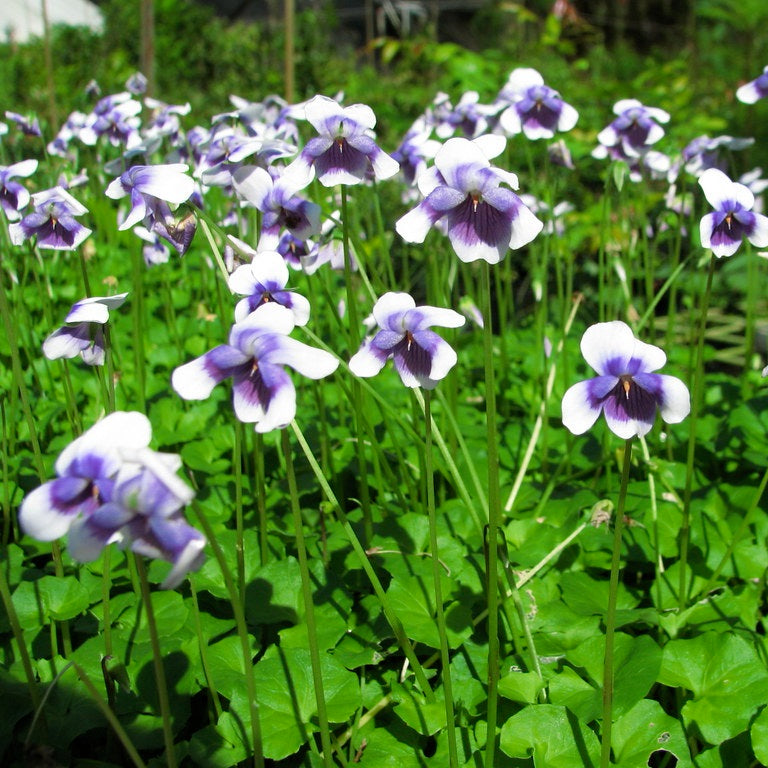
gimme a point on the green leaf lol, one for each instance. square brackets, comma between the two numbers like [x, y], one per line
[63, 597]
[411, 600]
[552, 736]
[759, 735]
[416, 712]
[521, 686]
[727, 677]
[645, 729]
[286, 695]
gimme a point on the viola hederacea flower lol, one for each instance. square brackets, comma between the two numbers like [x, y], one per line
[29, 126]
[534, 108]
[136, 83]
[14, 196]
[704, 152]
[482, 218]
[345, 150]
[420, 356]
[415, 149]
[754, 90]
[468, 116]
[263, 280]
[165, 120]
[82, 333]
[733, 219]
[117, 118]
[279, 203]
[153, 250]
[626, 389]
[635, 128]
[148, 186]
[52, 222]
[262, 392]
[111, 487]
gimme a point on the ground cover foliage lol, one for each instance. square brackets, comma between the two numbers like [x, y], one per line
[375, 502]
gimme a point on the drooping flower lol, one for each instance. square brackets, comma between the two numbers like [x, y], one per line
[469, 117]
[262, 392]
[733, 218]
[420, 356]
[117, 118]
[754, 90]
[345, 150]
[534, 108]
[82, 333]
[111, 487]
[704, 152]
[482, 218]
[136, 83]
[279, 203]
[29, 126]
[263, 280]
[147, 185]
[53, 221]
[635, 128]
[14, 196]
[626, 388]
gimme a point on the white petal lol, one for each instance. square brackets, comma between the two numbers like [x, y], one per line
[39, 519]
[63, 344]
[491, 144]
[254, 184]
[759, 237]
[309, 361]
[390, 304]
[525, 227]
[676, 403]
[365, 362]
[606, 341]
[578, 414]
[523, 78]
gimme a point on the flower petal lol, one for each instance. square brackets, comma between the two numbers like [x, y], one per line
[579, 408]
[195, 380]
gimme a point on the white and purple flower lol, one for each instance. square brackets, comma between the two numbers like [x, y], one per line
[83, 333]
[53, 221]
[534, 108]
[754, 90]
[635, 128]
[626, 388]
[279, 203]
[147, 186]
[111, 487]
[733, 219]
[262, 392]
[482, 218]
[14, 196]
[420, 356]
[263, 280]
[345, 150]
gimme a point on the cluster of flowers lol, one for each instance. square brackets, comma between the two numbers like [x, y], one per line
[111, 487]
[252, 154]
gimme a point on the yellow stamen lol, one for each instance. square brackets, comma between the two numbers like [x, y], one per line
[626, 386]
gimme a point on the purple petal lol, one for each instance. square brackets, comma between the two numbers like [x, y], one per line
[195, 380]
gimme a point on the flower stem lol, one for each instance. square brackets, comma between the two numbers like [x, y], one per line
[242, 632]
[157, 658]
[698, 382]
[610, 616]
[237, 463]
[445, 655]
[309, 608]
[362, 555]
[137, 305]
[494, 520]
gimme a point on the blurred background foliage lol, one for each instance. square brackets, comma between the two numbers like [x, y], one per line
[685, 56]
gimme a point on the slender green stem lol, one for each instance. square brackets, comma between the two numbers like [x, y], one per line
[445, 655]
[610, 616]
[106, 586]
[309, 608]
[110, 717]
[659, 563]
[202, 644]
[137, 307]
[494, 521]
[242, 632]
[698, 389]
[261, 495]
[157, 658]
[389, 614]
[18, 635]
[237, 463]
